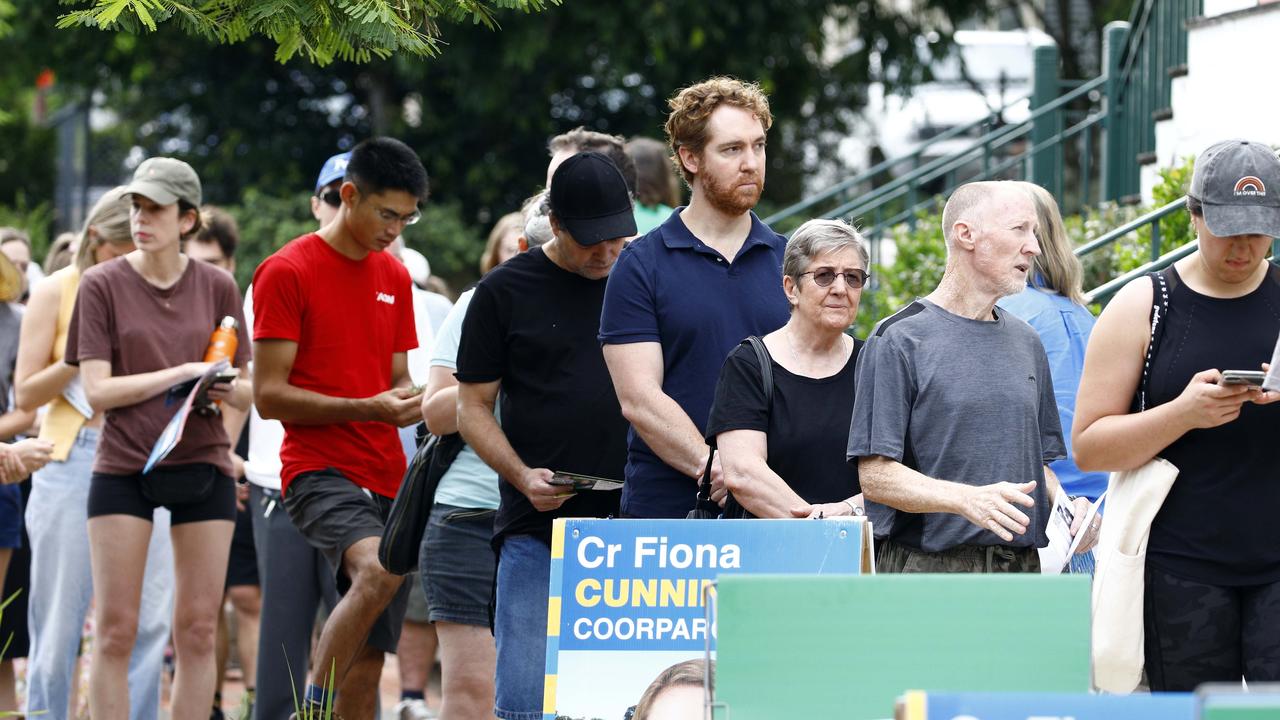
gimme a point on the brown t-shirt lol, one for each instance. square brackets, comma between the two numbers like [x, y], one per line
[139, 328]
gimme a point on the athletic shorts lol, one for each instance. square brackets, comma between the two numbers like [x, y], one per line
[122, 495]
[333, 513]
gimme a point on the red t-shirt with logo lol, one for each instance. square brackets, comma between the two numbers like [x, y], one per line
[348, 317]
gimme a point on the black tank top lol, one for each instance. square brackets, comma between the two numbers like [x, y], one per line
[1221, 522]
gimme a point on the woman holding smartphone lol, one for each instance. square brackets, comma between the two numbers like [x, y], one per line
[61, 586]
[141, 325]
[1211, 606]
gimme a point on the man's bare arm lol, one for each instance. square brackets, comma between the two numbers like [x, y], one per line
[990, 507]
[637, 371]
[482, 432]
[277, 399]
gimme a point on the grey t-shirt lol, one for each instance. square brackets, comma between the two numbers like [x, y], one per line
[956, 399]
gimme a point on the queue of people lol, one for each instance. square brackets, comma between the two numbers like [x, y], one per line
[707, 346]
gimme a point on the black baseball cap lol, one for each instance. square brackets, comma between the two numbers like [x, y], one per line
[589, 198]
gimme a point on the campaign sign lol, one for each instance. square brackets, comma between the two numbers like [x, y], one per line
[628, 598]
[1049, 706]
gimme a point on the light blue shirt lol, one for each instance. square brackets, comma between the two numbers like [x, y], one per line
[1064, 329]
[468, 482]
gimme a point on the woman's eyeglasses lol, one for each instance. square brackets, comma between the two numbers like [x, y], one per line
[823, 277]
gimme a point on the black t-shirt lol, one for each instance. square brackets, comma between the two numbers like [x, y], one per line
[533, 325]
[808, 428]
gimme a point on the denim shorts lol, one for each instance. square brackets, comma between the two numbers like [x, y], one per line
[457, 564]
[520, 627]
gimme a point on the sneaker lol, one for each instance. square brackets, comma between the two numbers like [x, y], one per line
[413, 710]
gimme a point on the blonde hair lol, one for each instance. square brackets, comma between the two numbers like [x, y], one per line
[109, 220]
[511, 222]
[1056, 267]
[691, 110]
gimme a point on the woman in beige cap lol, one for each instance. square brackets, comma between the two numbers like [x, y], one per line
[61, 585]
[141, 325]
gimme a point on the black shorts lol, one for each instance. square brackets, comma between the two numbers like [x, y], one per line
[122, 495]
[333, 513]
[242, 566]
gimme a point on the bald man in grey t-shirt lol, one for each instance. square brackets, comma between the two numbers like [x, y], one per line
[955, 420]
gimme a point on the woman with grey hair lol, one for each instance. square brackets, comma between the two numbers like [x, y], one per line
[783, 452]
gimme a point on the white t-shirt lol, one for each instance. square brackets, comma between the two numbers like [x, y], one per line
[262, 467]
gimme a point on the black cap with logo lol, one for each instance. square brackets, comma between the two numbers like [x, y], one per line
[589, 198]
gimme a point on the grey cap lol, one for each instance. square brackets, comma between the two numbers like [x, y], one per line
[1238, 182]
[165, 181]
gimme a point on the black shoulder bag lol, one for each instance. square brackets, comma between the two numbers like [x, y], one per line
[407, 522]
[706, 508]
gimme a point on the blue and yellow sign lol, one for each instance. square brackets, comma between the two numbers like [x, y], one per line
[628, 598]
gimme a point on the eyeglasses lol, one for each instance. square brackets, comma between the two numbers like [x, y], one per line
[823, 277]
[332, 198]
[388, 217]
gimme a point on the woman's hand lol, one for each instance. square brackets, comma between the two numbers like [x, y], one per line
[1206, 403]
[829, 510]
[1265, 397]
[23, 458]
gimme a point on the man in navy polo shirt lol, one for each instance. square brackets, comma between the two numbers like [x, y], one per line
[681, 297]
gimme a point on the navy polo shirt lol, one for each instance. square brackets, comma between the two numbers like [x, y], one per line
[671, 288]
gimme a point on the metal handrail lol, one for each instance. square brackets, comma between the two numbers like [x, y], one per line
[1107, 289]
[1129, 227]
[997, 137]
[884, 165]
[1089, 121]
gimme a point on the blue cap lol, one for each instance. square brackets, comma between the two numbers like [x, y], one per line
[335, 168]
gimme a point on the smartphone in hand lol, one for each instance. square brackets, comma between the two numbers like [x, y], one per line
[1243, 377]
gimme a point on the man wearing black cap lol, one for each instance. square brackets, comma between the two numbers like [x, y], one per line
[531, 333]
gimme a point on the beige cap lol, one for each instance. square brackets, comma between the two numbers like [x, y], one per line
[165, 181]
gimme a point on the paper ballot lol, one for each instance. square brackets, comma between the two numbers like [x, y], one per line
[1055, 556]
[172, 433]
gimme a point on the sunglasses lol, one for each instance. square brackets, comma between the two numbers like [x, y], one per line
[825, 276]
[332, 198]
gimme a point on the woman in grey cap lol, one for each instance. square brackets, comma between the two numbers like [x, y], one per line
[141, 326]
[1212, 586]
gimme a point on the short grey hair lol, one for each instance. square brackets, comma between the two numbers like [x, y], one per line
[819, 237]
[537, 224]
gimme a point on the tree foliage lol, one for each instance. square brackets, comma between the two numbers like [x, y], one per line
[320, 30]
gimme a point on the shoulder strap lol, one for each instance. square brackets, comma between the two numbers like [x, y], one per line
[766, 366]
[1159, 312]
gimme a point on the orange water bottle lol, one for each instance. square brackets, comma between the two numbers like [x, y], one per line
[222, 344]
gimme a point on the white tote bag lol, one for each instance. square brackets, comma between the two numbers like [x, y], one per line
[1133, 499]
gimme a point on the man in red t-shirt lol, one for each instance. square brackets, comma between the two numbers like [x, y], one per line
[333, 321]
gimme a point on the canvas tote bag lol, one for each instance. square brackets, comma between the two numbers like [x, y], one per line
[1133, 499]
